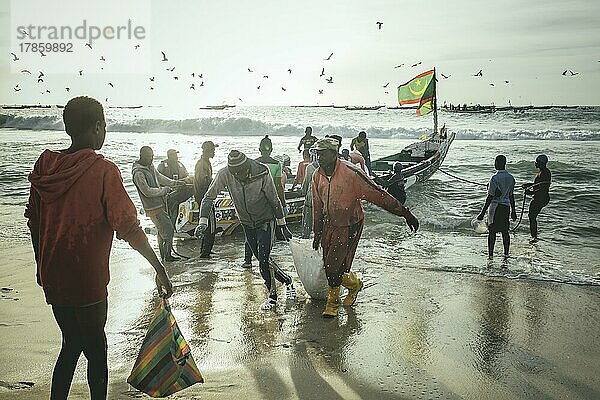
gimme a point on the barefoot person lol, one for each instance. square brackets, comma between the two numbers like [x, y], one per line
[338, 217]
[203, 175]
[76, 203]
[500, 201]
[253, 193]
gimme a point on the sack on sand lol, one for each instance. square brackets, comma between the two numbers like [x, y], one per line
[309, 266]
[165, 364]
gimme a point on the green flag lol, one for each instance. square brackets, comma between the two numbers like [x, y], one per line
[419, 90]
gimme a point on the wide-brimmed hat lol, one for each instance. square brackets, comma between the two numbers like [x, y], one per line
[326, 144]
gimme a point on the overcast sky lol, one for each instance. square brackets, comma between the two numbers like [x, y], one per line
[527, 43]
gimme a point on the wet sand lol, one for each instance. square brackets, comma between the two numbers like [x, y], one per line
[413, 333]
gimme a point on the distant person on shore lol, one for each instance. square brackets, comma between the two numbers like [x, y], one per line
[77, 202]
[301, 169]
[203, 176]
[259, 209]
[152, 188]
[361, 144]
[338, 217]
[173, 168]
[501, 202]
[394, 183]
[276, 170]
[307, 141]
[540, 189]
[307, 217]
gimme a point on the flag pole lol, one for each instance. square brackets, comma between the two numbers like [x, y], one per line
[435, 119]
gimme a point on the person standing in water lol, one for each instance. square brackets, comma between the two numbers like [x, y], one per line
[540, 189]
[361, 144]
[203, 175]
[307, 141]
[501, 201]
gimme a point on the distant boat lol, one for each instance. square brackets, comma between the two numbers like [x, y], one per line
[361, 108]
[470, 109]
[219, 107]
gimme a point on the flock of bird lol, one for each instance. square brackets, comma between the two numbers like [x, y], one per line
[200, 76]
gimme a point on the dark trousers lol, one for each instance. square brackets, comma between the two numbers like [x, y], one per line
[82, 331]
[208, 240]
[260, 241]
[535, 207]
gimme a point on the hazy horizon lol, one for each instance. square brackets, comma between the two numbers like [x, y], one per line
[530, 45]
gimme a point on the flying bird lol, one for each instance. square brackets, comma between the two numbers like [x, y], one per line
[266, 76]
[137, 46]
[565, 72]
[80, 72]
[26, 71]
[67, 89]
[258, 87]
[47, 91]
[320, 91]
[171, 69]
[379, 24]
[17, 88]
[240, 99]
[40, 80]
[88, 45]
[290, 70]
[192, 87]
[322, 72]
[386, 85]
[398, 66]
[111, 85]
[414, 65]
[480, 73]
[102, 58]
[202, 83]
[328, 58]
[164, 56]
[330, 79]
[42, 54]
[282, 88]
[151, 88]
[193, 74]
[491, 84]
[386, 92]
[249, 70]
[152, 79]
[176, 78]
[573, 73]
[40, 75]
[200, 76]
[15, 58]
[505, 81]
[445, 76]
[23, 32]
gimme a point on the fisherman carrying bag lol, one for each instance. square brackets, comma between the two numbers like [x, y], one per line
[165, 364]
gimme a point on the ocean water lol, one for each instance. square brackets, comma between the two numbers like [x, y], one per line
[446, 242]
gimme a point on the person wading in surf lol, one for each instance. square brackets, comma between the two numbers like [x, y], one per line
[540, 189]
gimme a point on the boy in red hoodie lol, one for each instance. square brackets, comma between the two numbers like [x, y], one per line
[76, 203]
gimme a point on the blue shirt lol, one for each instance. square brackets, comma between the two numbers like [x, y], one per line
[501, 186]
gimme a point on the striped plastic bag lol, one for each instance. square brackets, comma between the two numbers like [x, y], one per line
[165, 364]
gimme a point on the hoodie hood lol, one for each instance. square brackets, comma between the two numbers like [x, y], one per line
[55, 173]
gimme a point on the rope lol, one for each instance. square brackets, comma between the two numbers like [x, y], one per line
[462, 179]
[522, 210]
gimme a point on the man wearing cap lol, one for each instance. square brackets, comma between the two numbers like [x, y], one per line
[202, 178]
[152, 188]
[338, 188]
[540, 189]
[172, 168]
[252, 190]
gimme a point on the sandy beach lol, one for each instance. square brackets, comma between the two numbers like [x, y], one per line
[413, 333]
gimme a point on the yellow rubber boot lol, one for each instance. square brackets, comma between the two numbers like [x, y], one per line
[354, 285]
[333, 302]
